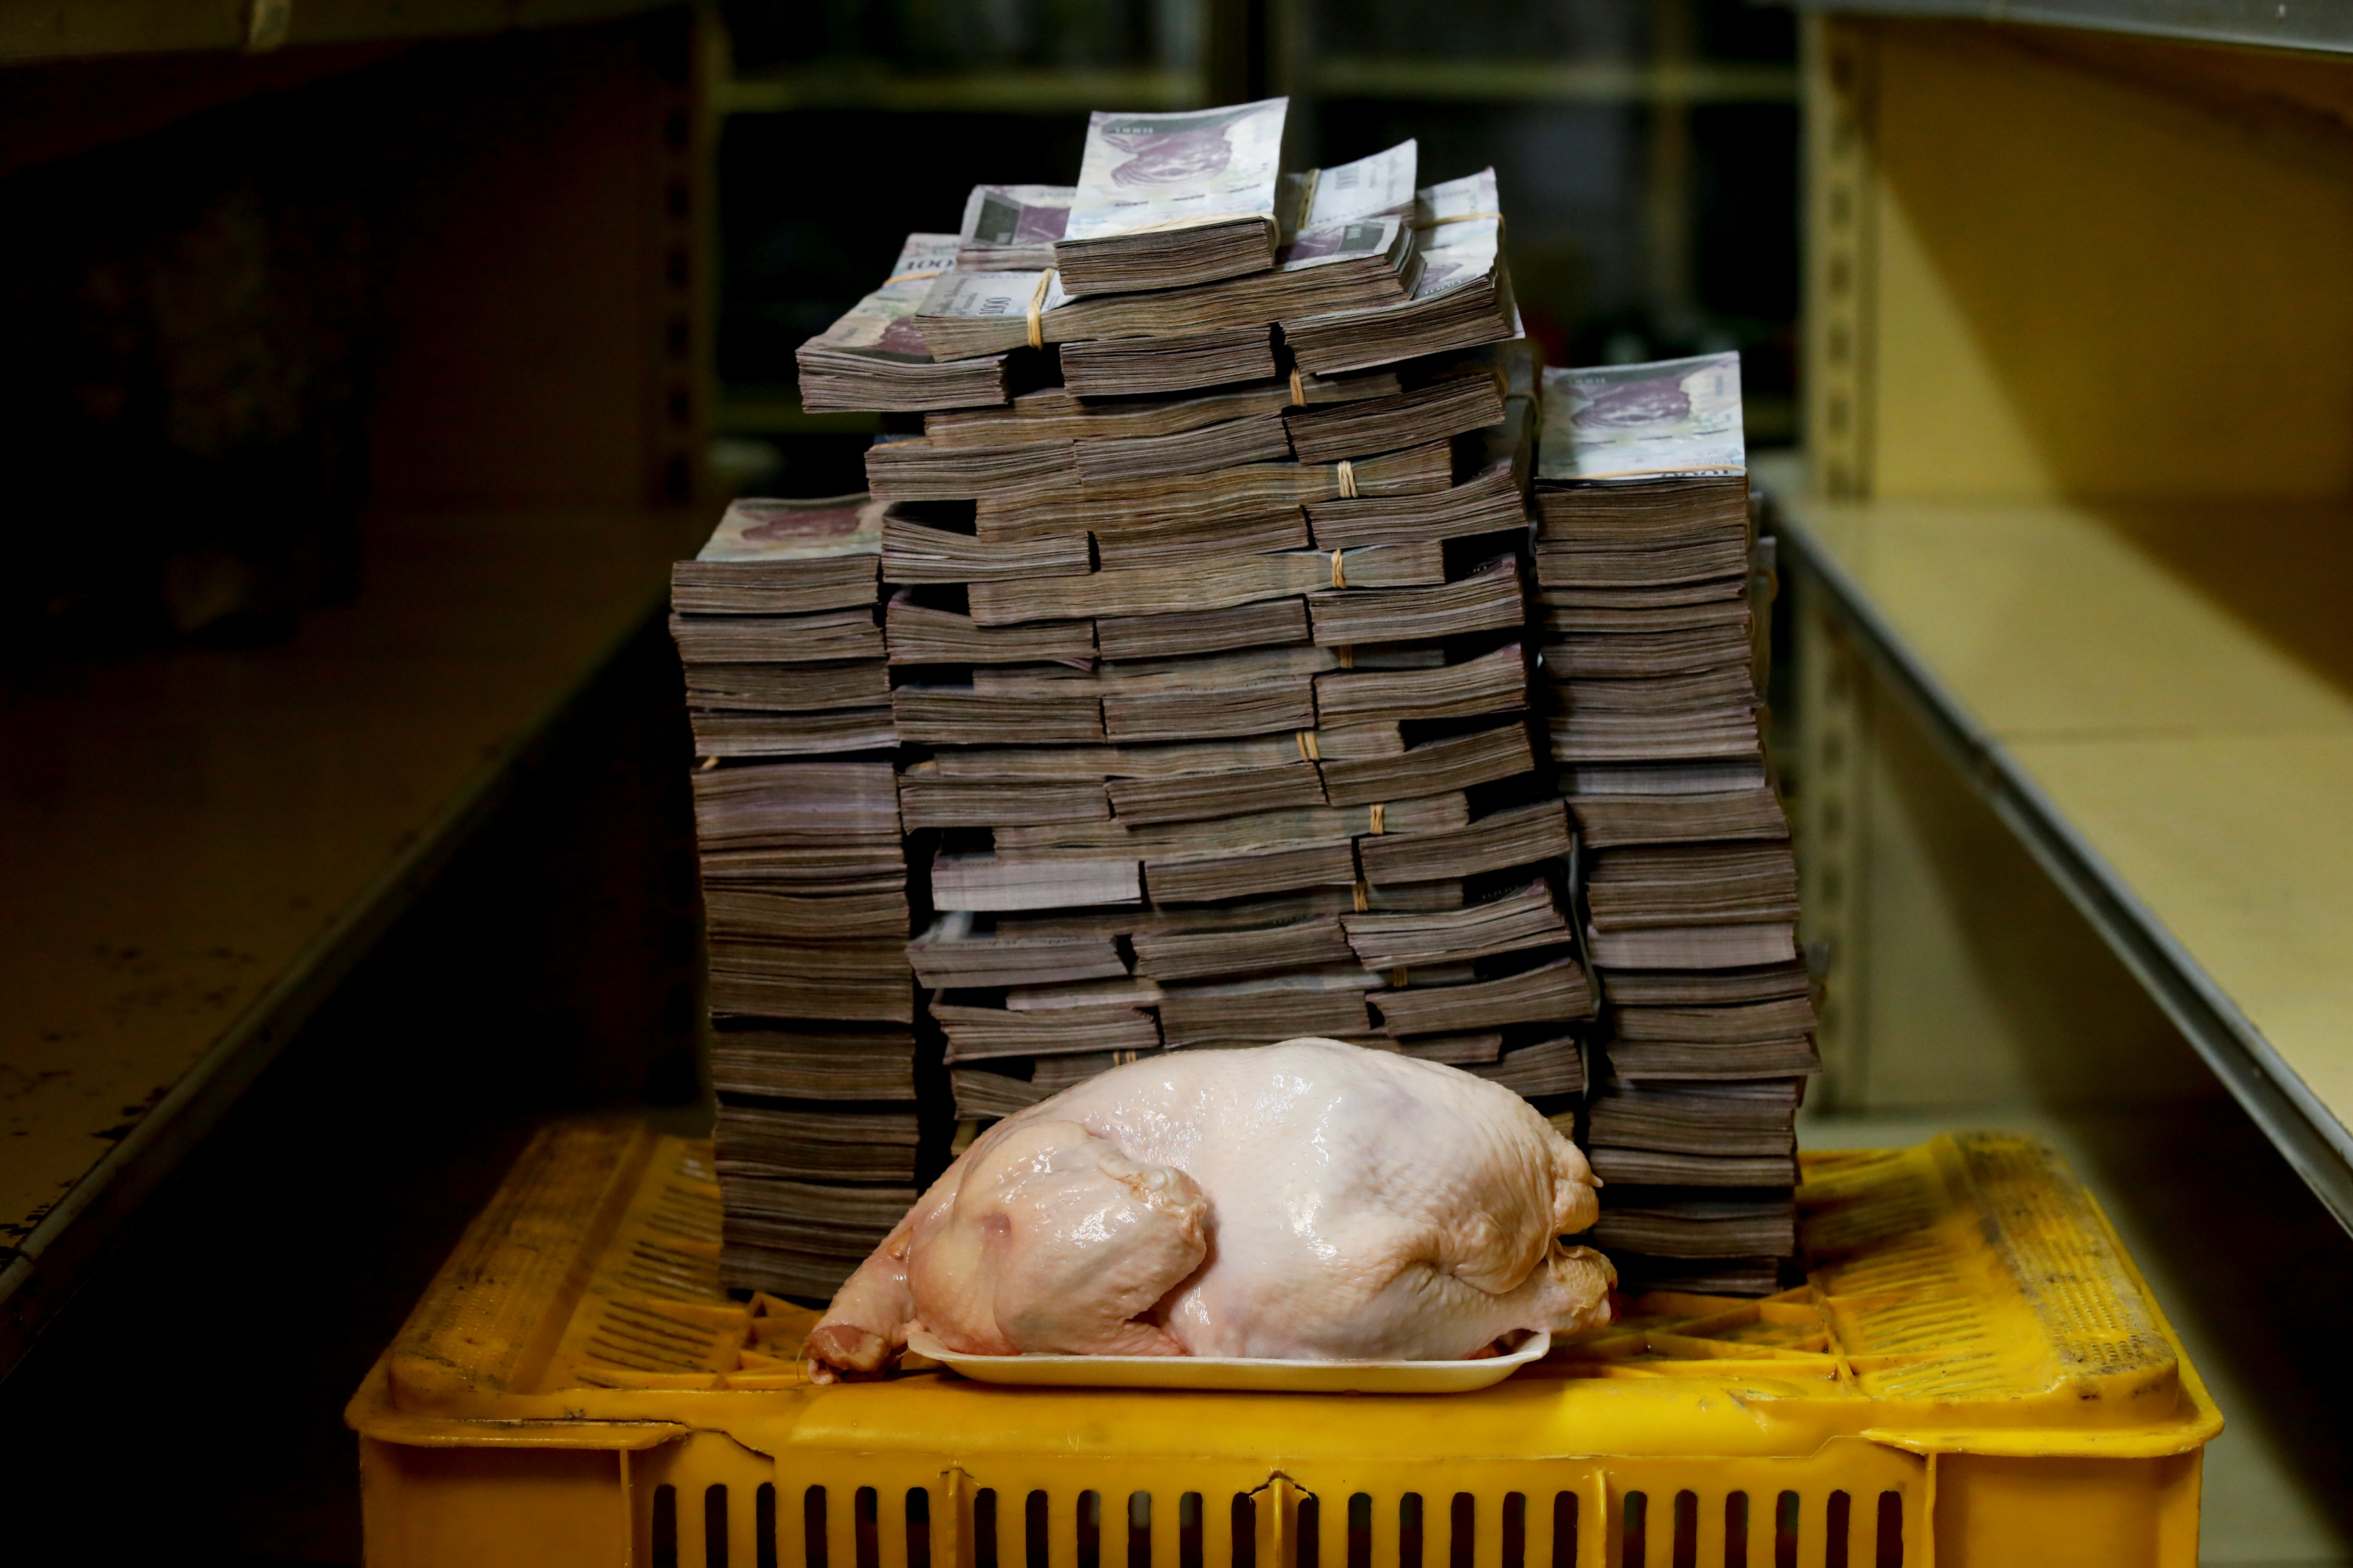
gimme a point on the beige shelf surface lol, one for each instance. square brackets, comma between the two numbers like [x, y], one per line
[198, 839]
[2177, 680]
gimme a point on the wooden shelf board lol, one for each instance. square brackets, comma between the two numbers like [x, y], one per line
[202, 841]
[2159, 701]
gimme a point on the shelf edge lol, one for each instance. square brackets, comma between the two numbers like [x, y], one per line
[2312, 1139]
[2257, 23]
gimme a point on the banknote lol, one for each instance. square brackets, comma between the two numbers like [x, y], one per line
[1457, 287]
[1369, 187]
[758, 529]
[1461, 234]
[883, 323]
[1346, 241]
[1453, 201]
[1158, 171]
[1341, 266]
[1677, 418]
[998, 296]
[875, 355]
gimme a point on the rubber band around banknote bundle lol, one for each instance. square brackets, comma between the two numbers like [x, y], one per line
[1347, 656]
[1037, 300]
[1377, 819]
[1397, 978]
[1309, 752]
[1121, 1058]
[1346, 475]
[1339, 578]
[1364, 896]
[1306, 200]
[911, 277]
[1458, 217]
[1298, 389]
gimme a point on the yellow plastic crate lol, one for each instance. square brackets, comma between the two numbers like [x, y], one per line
[1973, 1375]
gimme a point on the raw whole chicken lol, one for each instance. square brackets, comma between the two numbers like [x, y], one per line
[1307, 1201]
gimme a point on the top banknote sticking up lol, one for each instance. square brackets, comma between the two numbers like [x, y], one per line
[1012, 228]
[1378, 186]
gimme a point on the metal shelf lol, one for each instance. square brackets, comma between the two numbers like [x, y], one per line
[217, 837]
[2010, 765]
[2319, 24]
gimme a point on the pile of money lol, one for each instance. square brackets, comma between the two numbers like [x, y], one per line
[1653, 592]
[1209, 663]
[805, 887]
[1215, 687]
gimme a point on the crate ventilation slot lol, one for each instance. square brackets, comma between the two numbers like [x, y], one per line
[1874, 1539]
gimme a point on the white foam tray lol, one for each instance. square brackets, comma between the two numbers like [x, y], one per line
[1235, 1373]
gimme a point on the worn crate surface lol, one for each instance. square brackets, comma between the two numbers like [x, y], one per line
[1973, 1374]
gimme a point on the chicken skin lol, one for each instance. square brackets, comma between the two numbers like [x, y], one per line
[1305, 1201]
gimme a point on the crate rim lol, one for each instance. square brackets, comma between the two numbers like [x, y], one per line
[459, 1373]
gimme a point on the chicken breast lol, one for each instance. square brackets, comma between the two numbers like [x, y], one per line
[1310, 1200]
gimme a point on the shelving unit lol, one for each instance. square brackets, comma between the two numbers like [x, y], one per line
[204, 841]
[2262, 23]
[2081, 442]
[2074, 696]
[2070, 727]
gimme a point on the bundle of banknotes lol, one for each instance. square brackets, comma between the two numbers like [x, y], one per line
[1653, 593]
[805, 887]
